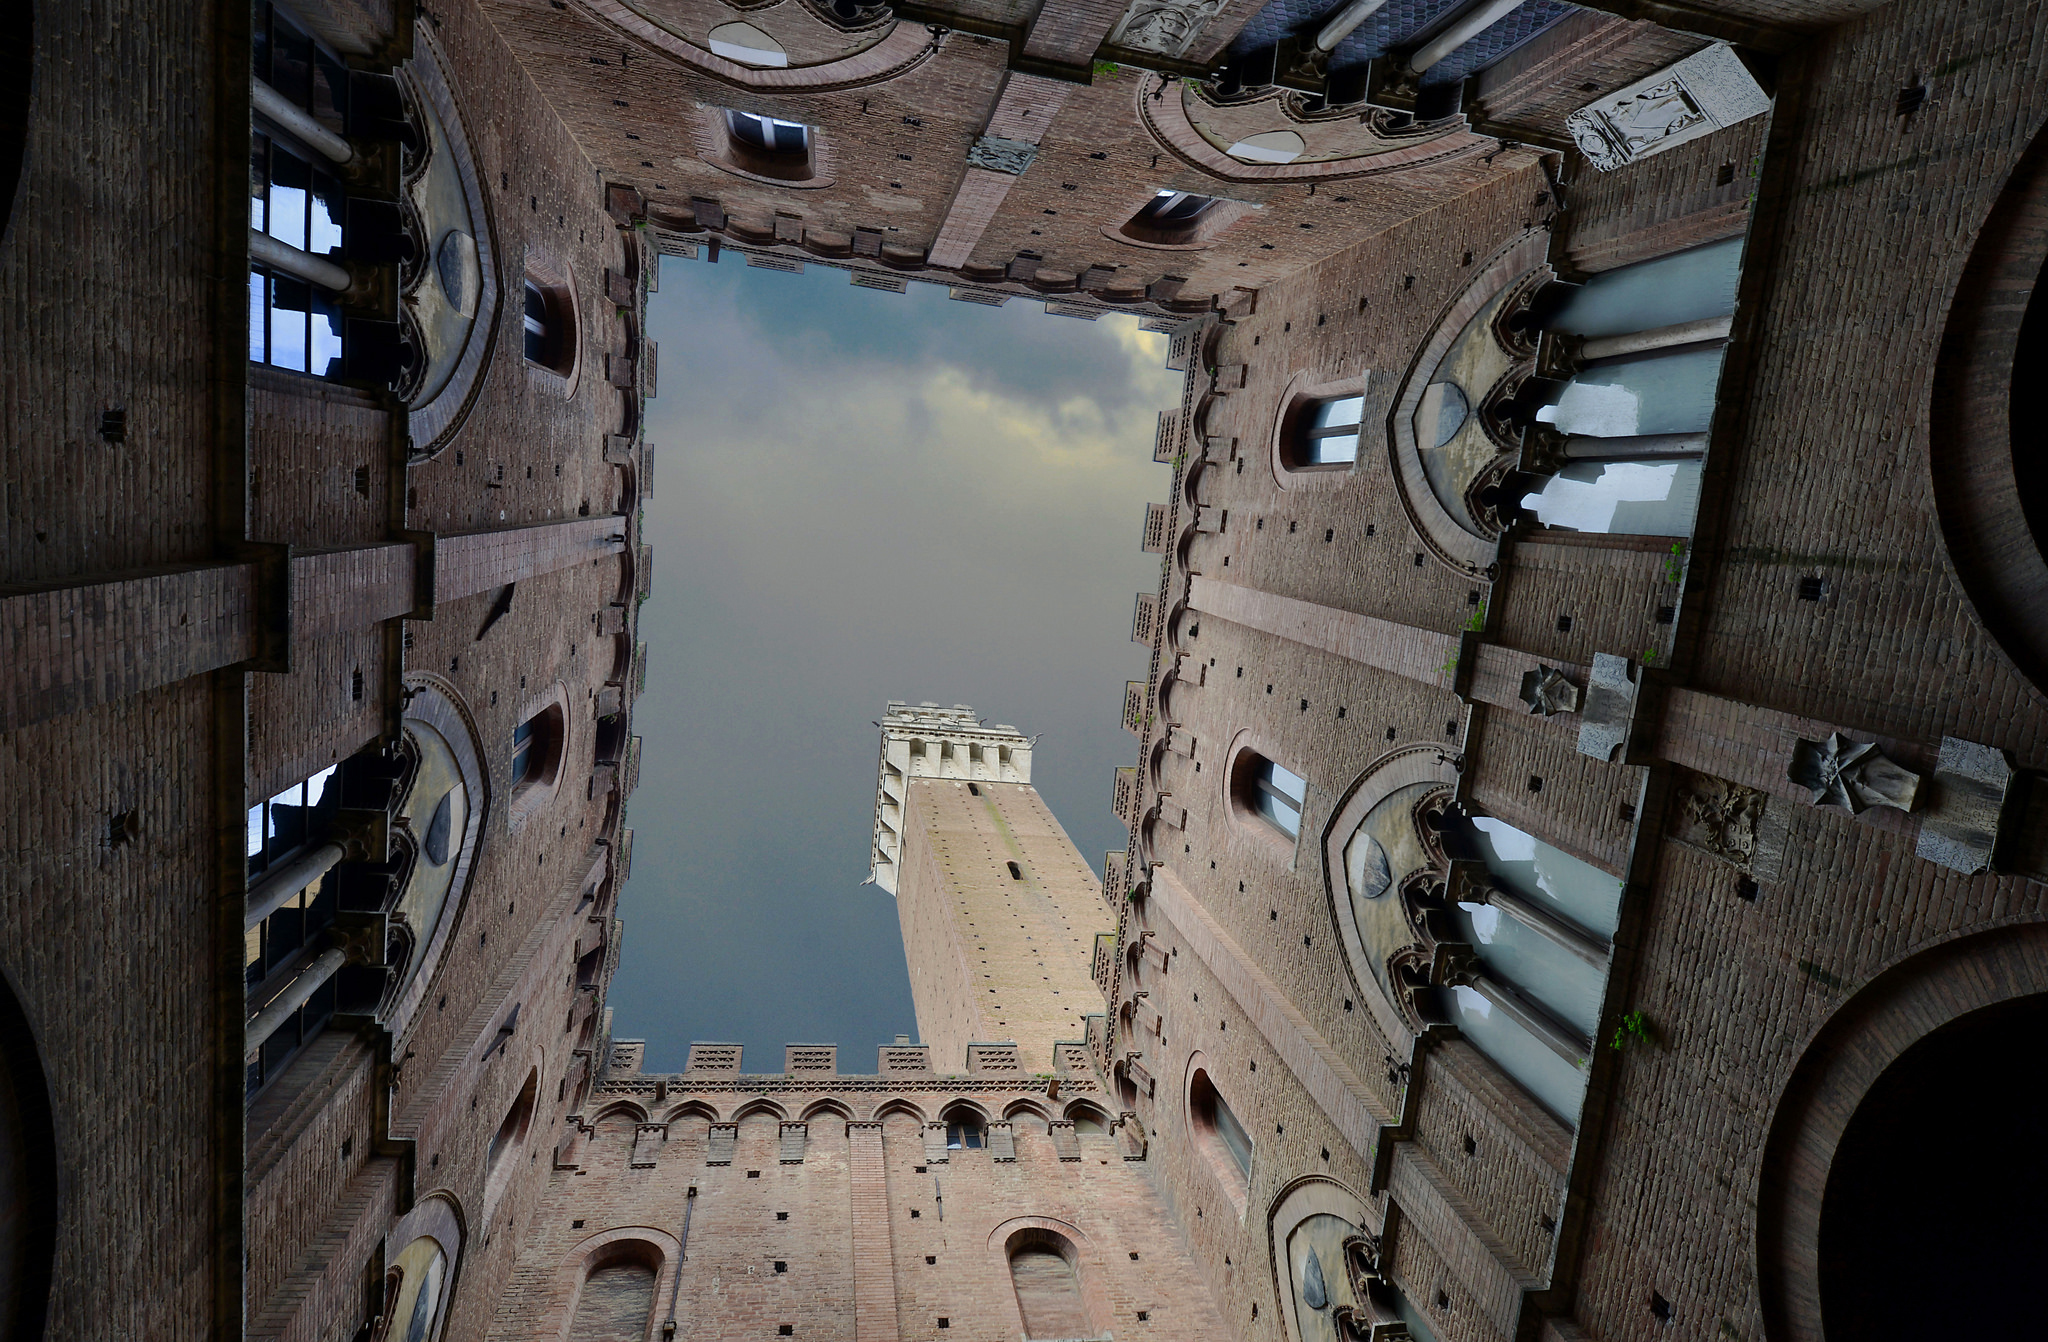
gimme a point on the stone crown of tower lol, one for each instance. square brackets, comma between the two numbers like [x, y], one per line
[926, 741]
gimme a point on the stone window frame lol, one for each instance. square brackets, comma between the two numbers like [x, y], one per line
[1244, 820]
[561, 374]
[1303, 392]
[1222, 215]
[530, 794]
[501, 1162]
[436, 702]
[1212, 1154]
[716, 146]
[1448, 542]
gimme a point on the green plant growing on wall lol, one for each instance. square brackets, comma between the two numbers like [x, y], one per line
[1476, 621]
[1649, 656]
[1634, 1028]
[1106, 69]
[1674, 567]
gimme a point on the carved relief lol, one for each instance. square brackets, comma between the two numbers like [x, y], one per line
[1697, 96]
[1850, 775]
[1717, 816]
[1167, 27]
[1546, 690]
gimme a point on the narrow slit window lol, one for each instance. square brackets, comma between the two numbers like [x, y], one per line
[1275, 793]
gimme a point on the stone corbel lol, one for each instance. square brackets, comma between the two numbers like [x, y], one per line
[1973, 789]
[1607, 718]
[1851, 776]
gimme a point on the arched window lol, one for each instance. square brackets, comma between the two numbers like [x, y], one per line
[1219, 1135]
[768, 146]
[537, 748]
[1089, 1122]
[1273, 793]
[1539, 924]
[1627, 430]
[615, 1303]
[500, 1158]
[297, 206]
[748, 45]
[1172, 219]
[1325, 433]
[1044, 1274]
[550, 326]
[288, 969]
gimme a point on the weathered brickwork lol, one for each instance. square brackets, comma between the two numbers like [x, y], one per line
[221, 579]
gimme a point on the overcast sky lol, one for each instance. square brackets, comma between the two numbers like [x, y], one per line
[861, 496]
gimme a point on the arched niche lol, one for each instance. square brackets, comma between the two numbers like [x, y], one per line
[643, 1253]
[1993, 985]
[1438, 482]
[1323, 1247]
[1988, 422]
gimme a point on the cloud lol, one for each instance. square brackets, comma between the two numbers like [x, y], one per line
[861, 497]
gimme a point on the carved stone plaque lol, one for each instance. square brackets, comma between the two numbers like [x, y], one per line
[1698, 96]
[1165, 26]
[1971, 783]
[1851, 775]
[995, 154]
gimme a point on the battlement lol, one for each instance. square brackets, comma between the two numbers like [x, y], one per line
[927, 741]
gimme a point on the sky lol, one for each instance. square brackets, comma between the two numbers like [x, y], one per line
[858, 497]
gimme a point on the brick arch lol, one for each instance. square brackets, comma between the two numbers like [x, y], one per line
[906, 47]
[1031, 1107]
[961, 1104]
[760, 1108]
[703, 1109]
[835, 1108]
[646, 1245]
[1994, 549]
[1071, 1243]
[620, 1107]
[1168, 122]
[1842, 1061]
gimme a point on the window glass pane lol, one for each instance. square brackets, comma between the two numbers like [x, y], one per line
[1542, 969]
[252, 954]
[259, 183]
[289, 300]
[791, 137]
[1280, 813]
[1235, 1139]
[259, 305]
[1343, 413]
[330, 92]
[1579, 891]
[324, 354]
[1683, 287]
[291, 184]
[1666, 393]
[1332, 450]
[316, 786]
[1290, 783]
[324, 227]
[256, 831]
[1623, 498]
[1560, 1086]
[522, 758]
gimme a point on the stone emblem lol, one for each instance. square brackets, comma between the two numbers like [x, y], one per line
[1697, 96]
[1851, 775]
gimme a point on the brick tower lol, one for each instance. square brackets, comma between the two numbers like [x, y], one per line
[998, 907]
